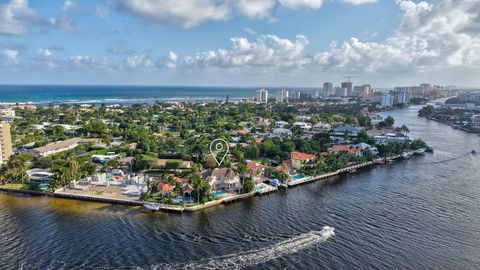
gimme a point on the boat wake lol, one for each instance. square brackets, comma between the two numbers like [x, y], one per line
[249, 258]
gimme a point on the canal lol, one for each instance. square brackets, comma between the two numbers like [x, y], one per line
[421, 213]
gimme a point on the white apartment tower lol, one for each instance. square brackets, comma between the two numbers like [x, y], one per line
[282, 96]
[328, 89]
[262, 96]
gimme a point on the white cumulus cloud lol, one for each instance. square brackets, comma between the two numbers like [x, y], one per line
[315, 4]
[359, 2]
[183, 13]
[11, 56]
[189, 13]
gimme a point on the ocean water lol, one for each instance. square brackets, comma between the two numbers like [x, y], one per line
[46, 94]
[421, 213]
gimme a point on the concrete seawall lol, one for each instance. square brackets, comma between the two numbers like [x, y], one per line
[226, 200]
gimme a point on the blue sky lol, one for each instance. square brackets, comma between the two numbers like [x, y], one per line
[238, 43]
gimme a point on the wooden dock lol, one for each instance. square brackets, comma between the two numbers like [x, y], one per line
[171, 208]
[266, 190]
[227, 200]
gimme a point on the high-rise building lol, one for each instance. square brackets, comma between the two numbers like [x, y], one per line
[262, 96]
[5, 142]
[341, 92]
[349, 87]
[386, 100]
[282, 96]
[328, 89]
[401, 96]
[361, 91]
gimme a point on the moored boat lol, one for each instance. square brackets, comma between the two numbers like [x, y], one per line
[152, 206]
[429, 148]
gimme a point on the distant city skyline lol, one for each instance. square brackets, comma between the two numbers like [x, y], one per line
[247, 43]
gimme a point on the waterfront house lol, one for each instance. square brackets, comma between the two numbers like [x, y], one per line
[365, 146]
[39, 176]
[165, 189]
[380, 132]
[224, 179]
[342, 130]
[351, 150]
[187, 190]
[389, 138]
[255, 170]
[300, 160]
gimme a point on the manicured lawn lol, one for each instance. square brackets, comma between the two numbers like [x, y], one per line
[17, 186]
[102, 151]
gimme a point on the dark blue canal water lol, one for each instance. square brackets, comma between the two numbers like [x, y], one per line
[422, 213]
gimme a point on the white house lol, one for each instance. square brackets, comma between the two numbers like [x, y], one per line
[391, 137]
[366, 146]
[224, 179]
[303, 126]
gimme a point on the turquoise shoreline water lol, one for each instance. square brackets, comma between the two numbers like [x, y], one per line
[420, 213]
[45, 94]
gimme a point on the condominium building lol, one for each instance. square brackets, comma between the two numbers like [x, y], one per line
[328, 89]
[349, 87]
[341, 91]
[282, 96]
[5, 142]
[262, 96]
[401, 96]
[361, 91]
[386, 101]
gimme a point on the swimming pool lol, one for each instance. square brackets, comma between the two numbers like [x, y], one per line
[298, 176]
[219, 193]
[183, 200]
[260, 187]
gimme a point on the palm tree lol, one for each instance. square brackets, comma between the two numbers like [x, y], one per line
[242, 170]
[74, 168]
[15, 170]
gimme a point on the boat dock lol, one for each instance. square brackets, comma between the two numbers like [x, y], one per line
[228, 200]
[74, 196]
[237, 198]
[266, 190]
[96, 199]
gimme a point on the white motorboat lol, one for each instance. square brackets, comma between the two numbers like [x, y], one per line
[152, 206]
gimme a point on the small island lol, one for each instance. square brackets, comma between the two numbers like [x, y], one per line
[461, 112]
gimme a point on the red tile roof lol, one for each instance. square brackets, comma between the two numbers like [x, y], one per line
[302, 156]
[254, 167]
[348, 148]
[165, 187]
[241, 131]
[187, 188]
[181, 180]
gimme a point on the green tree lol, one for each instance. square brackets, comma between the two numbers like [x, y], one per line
[201, 189]
[15, 170]
[248, 185]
